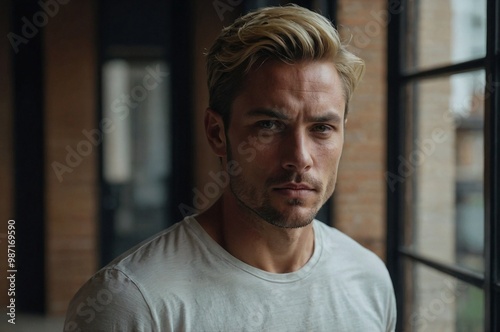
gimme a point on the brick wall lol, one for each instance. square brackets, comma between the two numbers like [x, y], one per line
[359, 200]
[71, 216]
[209, 21]
[71, 204]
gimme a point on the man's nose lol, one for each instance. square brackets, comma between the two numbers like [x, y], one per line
[296, 152]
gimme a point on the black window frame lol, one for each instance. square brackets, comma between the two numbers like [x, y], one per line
[398, 77]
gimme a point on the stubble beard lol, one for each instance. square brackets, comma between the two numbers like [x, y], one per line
[248, 196]
[245, 196]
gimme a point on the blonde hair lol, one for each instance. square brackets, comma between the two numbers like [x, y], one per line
[289, 34]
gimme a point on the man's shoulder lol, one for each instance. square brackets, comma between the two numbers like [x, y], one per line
[137, 276]
[164, 248]
[359, 276]
[335, 237]
[346, 251]
[160, 247]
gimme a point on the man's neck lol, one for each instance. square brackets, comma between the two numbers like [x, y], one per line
[255, 241]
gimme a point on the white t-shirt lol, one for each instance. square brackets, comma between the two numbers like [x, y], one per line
[182, 280]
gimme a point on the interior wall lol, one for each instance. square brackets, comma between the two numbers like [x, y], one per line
[209, 17]
[72, 192]
[359, 200]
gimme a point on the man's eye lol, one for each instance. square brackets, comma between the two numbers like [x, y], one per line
[322, 128]
[268, 125]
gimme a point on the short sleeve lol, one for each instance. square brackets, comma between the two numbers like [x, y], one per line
[109, 301]
[392, 313]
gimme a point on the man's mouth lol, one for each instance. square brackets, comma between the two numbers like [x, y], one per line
[294, 186]
[294, 189]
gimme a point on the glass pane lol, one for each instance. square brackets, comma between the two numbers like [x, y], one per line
[445, 32]
[443, 169]
[437, 302]
[136, 150]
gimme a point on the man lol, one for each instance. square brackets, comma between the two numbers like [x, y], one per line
[257, 260]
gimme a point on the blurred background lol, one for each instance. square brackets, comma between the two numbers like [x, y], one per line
[102, 144]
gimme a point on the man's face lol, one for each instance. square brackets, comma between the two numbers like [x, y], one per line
[286, 132]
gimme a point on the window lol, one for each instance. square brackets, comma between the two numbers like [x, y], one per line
[136, 151]
[443, 164]
[145, 165]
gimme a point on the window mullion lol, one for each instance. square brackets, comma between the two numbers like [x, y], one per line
[456, 68]
[492, 169]
[457, 272]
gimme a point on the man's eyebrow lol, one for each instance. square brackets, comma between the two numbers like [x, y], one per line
[277, 114]
[329, 117]
[268, 112]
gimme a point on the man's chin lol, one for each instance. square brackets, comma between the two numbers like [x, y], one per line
[290, 224]
[292, 217]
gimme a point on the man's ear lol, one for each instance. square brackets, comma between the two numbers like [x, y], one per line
[214, 129]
